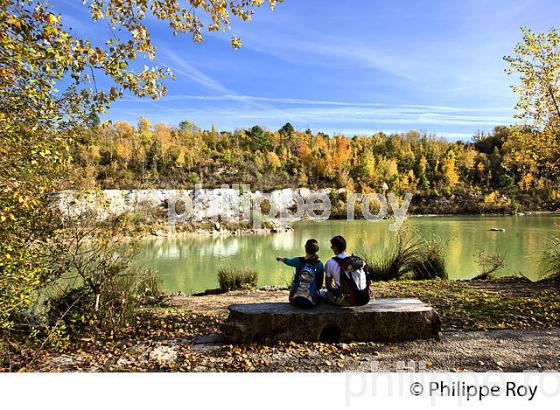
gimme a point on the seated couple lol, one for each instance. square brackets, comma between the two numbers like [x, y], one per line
[346, 279]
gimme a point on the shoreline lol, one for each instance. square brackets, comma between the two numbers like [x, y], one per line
[149, 212]
[211, 232]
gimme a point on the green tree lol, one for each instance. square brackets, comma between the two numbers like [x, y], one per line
[287, 130]
[259, 140]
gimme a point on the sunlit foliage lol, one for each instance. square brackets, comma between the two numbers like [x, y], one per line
[49, 89]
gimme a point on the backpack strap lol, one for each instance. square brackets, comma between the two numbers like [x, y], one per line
[343, 263]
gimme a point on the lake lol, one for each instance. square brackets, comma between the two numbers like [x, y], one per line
[191, 264]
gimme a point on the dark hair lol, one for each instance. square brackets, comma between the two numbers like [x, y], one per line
[338, 243]
[311, 248]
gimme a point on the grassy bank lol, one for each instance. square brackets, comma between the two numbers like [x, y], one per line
[505, 303]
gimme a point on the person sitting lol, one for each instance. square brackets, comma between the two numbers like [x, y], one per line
[346, 279]
[308, 278]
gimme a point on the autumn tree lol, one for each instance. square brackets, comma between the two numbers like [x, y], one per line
[449, 169]
[49, 92]
[174, 157]
[536, 60]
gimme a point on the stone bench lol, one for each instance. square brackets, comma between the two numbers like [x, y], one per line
[381, 320]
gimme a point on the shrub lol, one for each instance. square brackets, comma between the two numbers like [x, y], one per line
[396, 261]
[149, 287]
[88, 283]
[99, 283]
[430, 264]
[232, 279]
[550, 263]
[265, 207]
[489, 265]
[111, 304]
[193, 178]
[410, 256]
[23, 274]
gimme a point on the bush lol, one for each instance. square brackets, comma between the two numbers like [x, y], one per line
[265, 207]
[23, 274]
[488, 265]
[112, 304]
[550, 263]
[430, 264]
[87, 283]
[396, 261]
[410, 257]
[149, 288]
[99, 284]
[232, 279]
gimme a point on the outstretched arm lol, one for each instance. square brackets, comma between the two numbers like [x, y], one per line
[289, 261]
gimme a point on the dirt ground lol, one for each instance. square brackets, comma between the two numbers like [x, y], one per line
[497, 325]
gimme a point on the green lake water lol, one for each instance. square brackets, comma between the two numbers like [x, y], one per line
[190, 265]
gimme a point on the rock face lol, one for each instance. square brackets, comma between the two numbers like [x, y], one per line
[200, 204]
[382, 320]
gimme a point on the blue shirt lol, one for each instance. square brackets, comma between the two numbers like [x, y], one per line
[299, 262]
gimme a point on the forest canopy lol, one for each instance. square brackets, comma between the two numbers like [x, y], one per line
[491, 167]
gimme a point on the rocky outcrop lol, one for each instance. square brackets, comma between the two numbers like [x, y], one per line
[222, 203]
[382, 320]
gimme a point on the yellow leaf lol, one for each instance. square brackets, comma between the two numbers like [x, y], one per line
[236, 42]
[52, 19]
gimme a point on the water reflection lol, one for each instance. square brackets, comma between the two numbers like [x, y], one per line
[190, 265]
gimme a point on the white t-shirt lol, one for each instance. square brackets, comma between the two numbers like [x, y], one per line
[332, 270]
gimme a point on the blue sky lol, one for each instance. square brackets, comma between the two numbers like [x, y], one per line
[352, 67]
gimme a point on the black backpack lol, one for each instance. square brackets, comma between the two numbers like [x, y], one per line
[354, 280]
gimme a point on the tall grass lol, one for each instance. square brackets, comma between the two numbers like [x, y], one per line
[396, 260]
[429, 262]
[232, 279]
[113, 303]
[409, 257]
[550, 262]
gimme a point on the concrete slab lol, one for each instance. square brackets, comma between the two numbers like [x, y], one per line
[382, 320]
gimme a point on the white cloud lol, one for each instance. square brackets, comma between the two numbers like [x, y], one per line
[325, 114]
[180, 66]
[343, 111]
[304, 101]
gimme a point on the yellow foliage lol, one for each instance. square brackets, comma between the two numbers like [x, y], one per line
[273, 160]
[491, 198]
